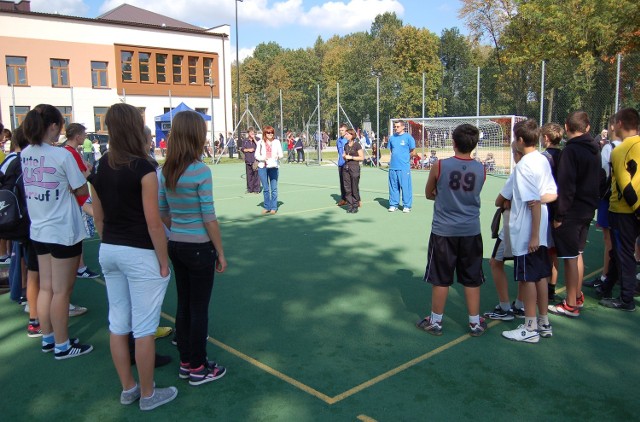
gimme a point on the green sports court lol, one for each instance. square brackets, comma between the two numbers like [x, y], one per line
[314, 320]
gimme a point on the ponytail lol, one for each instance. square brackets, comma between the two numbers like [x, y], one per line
[38, 120]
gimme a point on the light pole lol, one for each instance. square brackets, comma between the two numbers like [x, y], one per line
[212, 138]
[237, 67]
[377, 75]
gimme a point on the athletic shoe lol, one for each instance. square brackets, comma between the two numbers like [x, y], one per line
[34, 330]
[26, 308]
[74, 351]
[580, 301]
[603, 293]
[342, 203]
[596, 282]
[129, 397]
[392, 209]
[517, 312]
[75, 310]
[22, 301]
[476, 330]
[46, 348]
[499, 314]
[563, 309]
[522, 334]
[184, 371]
[618, 303]
[162, 332]
[159, 397]
[545, 330]
[406, 209]
[431, 328]
[206, 373]
[5, 260]
[87, 273]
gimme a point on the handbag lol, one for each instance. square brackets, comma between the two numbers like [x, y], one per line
[254, 165]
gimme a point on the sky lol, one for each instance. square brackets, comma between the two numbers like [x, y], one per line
[290, 23]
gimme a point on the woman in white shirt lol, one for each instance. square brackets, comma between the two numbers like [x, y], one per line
[268, 155]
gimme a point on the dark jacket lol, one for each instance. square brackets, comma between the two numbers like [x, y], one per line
[249, 157]
[578, 179]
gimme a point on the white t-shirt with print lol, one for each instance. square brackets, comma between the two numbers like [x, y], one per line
[49, 174]
[531, 179]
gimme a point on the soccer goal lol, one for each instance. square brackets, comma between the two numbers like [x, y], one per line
[433, 139]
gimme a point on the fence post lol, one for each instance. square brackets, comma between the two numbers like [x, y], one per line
[542, 96]
[618, 83]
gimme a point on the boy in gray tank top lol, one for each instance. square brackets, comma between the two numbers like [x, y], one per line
[455, 244]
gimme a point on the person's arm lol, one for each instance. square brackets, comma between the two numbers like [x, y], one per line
[430, 190]
[154, 223]
[213, 230]
[98, 212]
[502, 202]
[534, 241]
[163, 203]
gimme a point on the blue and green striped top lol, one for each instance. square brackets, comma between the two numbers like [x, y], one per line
[190, 205]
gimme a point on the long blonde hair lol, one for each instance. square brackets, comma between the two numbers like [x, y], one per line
[126, 135]
[186, 144]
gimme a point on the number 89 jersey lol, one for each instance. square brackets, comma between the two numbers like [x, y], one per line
[457, 205]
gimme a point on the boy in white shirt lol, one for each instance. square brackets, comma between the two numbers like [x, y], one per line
[533, 187]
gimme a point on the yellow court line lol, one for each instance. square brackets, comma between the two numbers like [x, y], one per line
[352, 391]
[365, 418]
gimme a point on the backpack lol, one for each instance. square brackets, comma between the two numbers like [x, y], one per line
[14, 220]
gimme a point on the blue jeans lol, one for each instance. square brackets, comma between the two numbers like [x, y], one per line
[400, 180]
[194, 267]
[269, 180]
[15, 271]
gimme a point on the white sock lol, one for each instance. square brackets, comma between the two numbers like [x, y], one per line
[505, 306]
[543, 320]
[437, 318]
[82, 269]
[474, 319]
[519, 304]
[530, 323]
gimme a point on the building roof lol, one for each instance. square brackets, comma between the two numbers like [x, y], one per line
[132, 14]
[167, 27]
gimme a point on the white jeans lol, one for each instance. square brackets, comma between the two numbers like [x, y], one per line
[134, 287]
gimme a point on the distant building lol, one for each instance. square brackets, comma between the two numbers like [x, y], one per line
[128, 54]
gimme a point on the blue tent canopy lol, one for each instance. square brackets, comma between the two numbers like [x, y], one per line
[162, 130]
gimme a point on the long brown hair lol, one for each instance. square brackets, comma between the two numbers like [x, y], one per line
[126, 135]
[38, 120]
[186, 144]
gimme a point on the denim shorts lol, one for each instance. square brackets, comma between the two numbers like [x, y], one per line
[135, 289]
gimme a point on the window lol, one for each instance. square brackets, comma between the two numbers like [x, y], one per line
[207, 67]
[67, 114]
[161, 68]
[143, 65]
[99, 74]
[98, 118]
[126, 64]
[16, 70]
[177, 69]
[59, 72]
[193, 70]
[17, 115]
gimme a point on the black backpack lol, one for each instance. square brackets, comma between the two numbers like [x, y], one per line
[14, 219]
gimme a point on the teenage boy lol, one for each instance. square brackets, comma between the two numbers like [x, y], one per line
[624, 212]
[578, 192]
[455, 244]
[504, 310]
[533, 187]
[401, 145]
[551, 134]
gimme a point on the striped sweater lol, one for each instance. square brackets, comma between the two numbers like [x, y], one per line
[190, 205]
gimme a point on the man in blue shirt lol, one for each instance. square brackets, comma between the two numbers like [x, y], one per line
[340, 145]
[401, 145]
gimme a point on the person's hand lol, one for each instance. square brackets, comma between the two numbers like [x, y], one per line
[534, 243]
[556, 224]
[164, 271]
[221, 264]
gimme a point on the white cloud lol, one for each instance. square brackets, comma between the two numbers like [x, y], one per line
[63, 7]
[244, 53]
[337, 16]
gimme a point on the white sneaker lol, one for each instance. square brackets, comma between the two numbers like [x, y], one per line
[26, 308]
[522, 334]
[545, 331]
[406, 209]
[392, 209]
[75, 310]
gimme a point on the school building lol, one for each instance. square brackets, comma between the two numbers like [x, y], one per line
[83, 65]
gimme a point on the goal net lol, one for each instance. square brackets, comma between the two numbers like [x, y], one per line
[433, 139]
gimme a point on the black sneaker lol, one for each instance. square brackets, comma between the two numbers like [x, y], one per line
[618, 303]
[46, 348]
[499, 314]
[596, 282]
[207, 374]
[603, 293]
[517, 312]
[74, 351]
